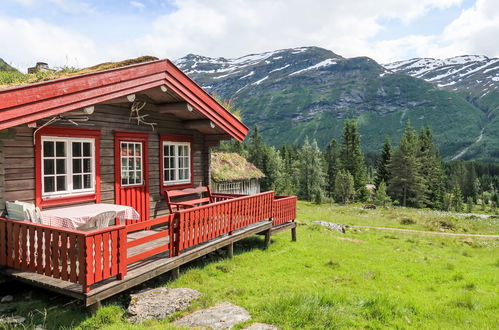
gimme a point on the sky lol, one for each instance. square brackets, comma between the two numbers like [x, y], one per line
[80, 33]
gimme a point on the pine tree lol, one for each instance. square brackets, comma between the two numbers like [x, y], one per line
[457, 199]
[352, 158]
[333, 164]
[311, 165]
[344, 186]
[431, 170]
[381, 198]
[382, 171]
[407, 184]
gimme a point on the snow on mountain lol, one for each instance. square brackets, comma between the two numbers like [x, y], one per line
[472, 73]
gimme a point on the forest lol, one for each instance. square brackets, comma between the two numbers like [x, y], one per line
[411, 174]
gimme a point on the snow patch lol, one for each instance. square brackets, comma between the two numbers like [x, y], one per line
[248, 75]
[259, 81]
[316, 66]
[281, 68]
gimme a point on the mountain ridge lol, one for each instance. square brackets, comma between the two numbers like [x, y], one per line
[310, 91]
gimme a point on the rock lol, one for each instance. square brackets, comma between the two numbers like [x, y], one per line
[39, 327]
[369, 207]
[157, 304]
[12, 320]
[333, 226]
[221, 316]
[7, 299]
[261, 326]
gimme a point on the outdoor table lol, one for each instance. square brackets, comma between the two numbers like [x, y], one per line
[74, 216]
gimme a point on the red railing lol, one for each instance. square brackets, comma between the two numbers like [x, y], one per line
[162, 224]
[89, 257]
[79, 257]
[283, 210]
[200, 224]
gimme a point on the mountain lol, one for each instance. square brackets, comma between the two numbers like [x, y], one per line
[5, 67]
[310, 91]
[475, 77]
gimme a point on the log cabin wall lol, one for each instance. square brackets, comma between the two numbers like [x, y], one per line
[2, 181]
[19, 155]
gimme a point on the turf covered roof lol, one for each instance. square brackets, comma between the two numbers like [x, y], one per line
[232, 167]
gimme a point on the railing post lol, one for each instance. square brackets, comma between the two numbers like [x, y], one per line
[175, 235]
[122, 253]
[231, 217]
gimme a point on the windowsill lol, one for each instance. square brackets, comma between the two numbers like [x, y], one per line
[66, 200]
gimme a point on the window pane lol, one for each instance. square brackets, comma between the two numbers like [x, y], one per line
[172, 150]
[123, 149]
[180, 151]
[166, 151]
[48, 184]
[181, 162]
[77, 184]
[186, 174]
[61, 166]
[60, 149]
[172, 174]
[87, 183]
[48, 149]
[86, 166]
[138, 164]
[172, 162]
[86, 149]
[76, 149]
[138, 177]
[61, 183]
[77, 165]
[123, 180]
[48, 166]
[138, 149]
[131, 164]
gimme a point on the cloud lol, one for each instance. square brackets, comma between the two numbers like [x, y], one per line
[235, 28]
[36, 40]
[232, 28]
[137, 4]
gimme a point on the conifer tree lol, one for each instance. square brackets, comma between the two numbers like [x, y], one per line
[407, 184]
[431, 170]
[457, 199]
[333, 164]
[344, 188]
[255, 149]
[311, 165]
[382, 171]
[351, 156]
[381, 198]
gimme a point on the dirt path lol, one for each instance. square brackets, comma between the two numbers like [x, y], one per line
[427, 232]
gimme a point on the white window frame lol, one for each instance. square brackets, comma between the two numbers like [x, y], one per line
[176, 157]
[133, 157]
[69, 167]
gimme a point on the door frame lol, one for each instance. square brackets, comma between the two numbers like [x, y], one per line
[124, 136]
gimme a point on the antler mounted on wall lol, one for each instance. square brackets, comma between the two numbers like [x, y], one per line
[135, 114]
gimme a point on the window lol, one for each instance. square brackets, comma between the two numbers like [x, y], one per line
[131, 163]
[176, 160]
[68, 166]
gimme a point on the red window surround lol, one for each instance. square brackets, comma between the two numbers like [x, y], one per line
[175, 138]
[65, 132]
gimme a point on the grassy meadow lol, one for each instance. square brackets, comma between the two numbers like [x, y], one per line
[361, 279]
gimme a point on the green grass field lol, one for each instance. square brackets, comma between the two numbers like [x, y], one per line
[366, 279]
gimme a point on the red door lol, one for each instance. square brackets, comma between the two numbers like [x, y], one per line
[131, 172]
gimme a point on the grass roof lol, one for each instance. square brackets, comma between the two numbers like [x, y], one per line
[232, 167]
[14, 78]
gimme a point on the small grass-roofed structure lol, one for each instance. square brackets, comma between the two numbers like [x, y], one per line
[231, 173]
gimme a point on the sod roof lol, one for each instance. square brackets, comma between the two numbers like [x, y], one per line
[232, 167]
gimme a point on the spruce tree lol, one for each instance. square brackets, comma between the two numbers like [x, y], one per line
[344, 188]
[255, 149]
[333, 164]
[457, 199]
[351, 156]
[312, 176]
[382, 171]
[431, 170]
[407, 184]
[381, 198]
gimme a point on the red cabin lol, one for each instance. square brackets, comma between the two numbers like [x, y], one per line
[86, 164]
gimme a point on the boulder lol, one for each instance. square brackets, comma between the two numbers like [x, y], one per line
[333, 226]
[221, 316]
[12, 320]
[7, 299]
[157, 304]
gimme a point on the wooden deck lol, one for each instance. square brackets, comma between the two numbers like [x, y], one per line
[140, 271]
